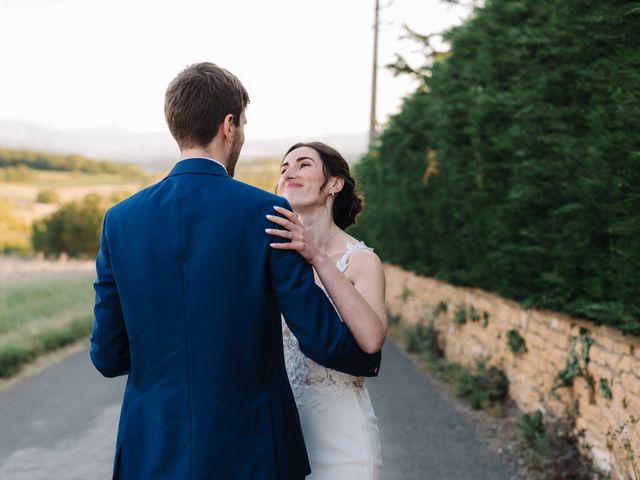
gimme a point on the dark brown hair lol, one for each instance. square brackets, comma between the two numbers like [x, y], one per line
[349, 202]
[198, 100]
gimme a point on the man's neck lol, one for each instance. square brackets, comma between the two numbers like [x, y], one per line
[203, 152]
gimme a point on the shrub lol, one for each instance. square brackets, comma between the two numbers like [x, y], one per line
[74, 229]
[423, 338]
[393, 319]
[48, 196]
[516, 342]
[442, 307]
[550, 452]
[14, 231]
[17, 174]
[460, 317]
[483, 387]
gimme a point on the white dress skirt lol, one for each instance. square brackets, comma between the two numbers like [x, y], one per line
[339, 426]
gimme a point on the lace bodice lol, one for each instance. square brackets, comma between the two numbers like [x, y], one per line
[316, 382]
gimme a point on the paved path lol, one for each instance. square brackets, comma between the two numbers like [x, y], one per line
[61, 424]
[424, 437]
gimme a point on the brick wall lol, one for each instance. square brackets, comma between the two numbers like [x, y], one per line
[613, 366]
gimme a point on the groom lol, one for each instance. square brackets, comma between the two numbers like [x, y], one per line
[188, 302]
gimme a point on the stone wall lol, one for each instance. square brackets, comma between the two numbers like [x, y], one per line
[605, 373]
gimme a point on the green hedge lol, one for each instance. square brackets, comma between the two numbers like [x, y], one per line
[515, 167]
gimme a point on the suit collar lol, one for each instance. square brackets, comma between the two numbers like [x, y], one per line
[199, 166]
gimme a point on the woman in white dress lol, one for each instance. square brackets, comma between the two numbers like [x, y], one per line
[338, 422]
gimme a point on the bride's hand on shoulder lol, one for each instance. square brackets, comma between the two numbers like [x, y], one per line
[296, 233]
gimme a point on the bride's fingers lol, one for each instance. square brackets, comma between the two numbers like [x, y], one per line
[281, 221]
[286, 246]
[288, 214]
[279, 233]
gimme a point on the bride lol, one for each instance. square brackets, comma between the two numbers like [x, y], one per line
[338, 422]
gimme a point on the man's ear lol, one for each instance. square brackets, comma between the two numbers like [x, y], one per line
[228, 127]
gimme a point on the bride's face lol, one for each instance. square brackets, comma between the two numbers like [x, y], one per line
[301, 178]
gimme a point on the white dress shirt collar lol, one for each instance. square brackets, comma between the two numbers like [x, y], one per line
[212, 159]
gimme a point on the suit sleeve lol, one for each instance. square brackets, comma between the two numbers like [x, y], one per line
[312, 318]
[109, 341]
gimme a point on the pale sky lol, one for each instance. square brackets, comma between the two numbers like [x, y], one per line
[107, 63]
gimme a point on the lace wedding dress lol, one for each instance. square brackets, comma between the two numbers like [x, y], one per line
[339, 426]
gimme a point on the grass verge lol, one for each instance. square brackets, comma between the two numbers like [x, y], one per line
[40, 313]
[13, 356]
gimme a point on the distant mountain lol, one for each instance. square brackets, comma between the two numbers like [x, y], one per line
[351, 145]
[148, 150]
[151, 151]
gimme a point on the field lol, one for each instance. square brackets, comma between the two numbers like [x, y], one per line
[43, 306]
[42, 192]
[23, 202]
[67, 186]
[262, 173]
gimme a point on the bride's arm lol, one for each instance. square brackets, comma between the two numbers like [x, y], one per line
[361, 303]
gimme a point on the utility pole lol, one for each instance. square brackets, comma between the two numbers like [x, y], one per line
[374, 77]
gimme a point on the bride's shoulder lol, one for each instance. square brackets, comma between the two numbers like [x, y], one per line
[361, 255]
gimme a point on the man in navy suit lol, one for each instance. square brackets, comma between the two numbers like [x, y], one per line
[189, 297]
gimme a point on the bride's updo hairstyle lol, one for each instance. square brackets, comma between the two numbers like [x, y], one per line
[349, 201]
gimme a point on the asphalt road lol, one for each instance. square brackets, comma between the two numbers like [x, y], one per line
[61, 424]
[424, 437]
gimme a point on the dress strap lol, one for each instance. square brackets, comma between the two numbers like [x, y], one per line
[351, 247]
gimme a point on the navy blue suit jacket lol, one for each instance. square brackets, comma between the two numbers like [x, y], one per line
[188, 301]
